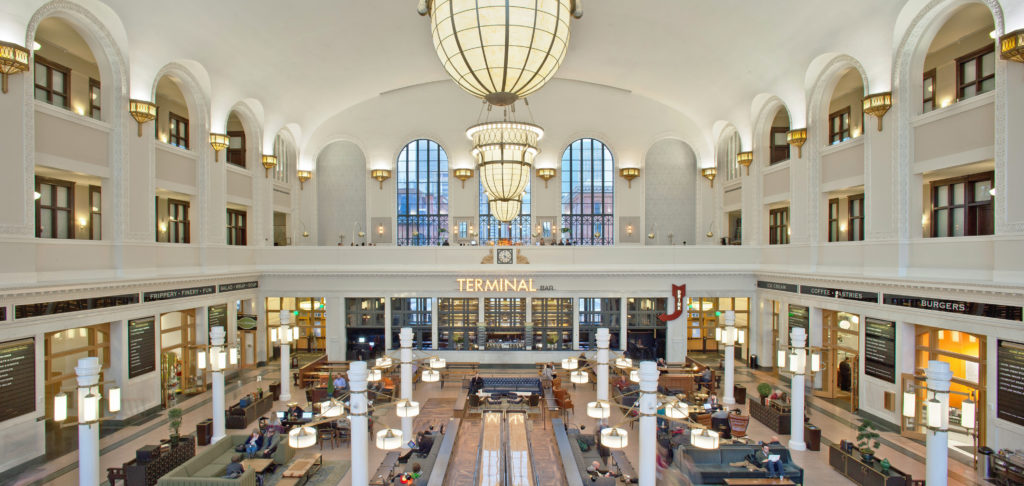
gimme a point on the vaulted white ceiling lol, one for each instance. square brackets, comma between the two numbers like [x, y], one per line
[307, 61]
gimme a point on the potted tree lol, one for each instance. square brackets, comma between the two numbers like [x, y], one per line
[174, 423]
[764, 389]
[867, 440]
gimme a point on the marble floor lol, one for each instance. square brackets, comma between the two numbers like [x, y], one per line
[835, 421]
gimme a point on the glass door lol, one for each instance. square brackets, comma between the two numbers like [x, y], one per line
[913, 427]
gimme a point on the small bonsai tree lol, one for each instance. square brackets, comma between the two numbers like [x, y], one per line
[764, 389]
[867, 438]
[174, 422]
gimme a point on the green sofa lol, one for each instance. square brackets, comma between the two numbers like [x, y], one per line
[208, 466]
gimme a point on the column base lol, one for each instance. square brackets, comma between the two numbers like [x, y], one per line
[729, 400]
[216, 438]
[797, 446]
[285, 397]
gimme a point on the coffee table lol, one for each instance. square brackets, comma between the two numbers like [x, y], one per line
[300, 471]
[259, 466]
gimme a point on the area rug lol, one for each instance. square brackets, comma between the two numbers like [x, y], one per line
[328, 475]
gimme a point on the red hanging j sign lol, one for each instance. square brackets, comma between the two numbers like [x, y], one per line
[678, 291]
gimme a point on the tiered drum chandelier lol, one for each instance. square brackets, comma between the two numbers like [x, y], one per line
[501, 51]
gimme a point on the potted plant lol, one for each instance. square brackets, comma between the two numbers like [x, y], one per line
[867, 440]
[885, 466]
[764, 389]
[173, 423]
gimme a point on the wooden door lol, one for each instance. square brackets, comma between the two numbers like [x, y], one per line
[913, 427]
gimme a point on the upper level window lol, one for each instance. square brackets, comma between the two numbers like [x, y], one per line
[855, 210]
[178, 230]
[95, 224]
[177, 128]
[95, 99]
[778, 226]
[728, 147]
[53, 82]
[839, 126]
[55, 208]
[833, 220]
[963, 206]
[236, 147]
[928, 92]
[976, 73]
[513, 232]
[588, 190]
[422, 194]
[780, 145]
[236, 227]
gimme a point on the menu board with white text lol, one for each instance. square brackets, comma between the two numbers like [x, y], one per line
[880, 349]
[141, 346]
[1010, 397]
[17, 378]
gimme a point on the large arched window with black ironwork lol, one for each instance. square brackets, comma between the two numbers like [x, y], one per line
[422, 194]
[516, 231]
[588, 193]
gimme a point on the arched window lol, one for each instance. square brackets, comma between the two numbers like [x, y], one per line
[515, 231]
[285, 159]
[422, 194]
[588, 193]
[728, 147]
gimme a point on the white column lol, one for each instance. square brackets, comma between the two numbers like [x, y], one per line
[603, 337]
[337, 336]
[937, 440]
[387, 324]
[730, 358]
[648, 424]
[284, 337]
[263, 350]
[217, 335]
[814, 334]
[405, 337]
[88, 371]
[796, 424]
[576, 324]
[622, 323]
[434, 337]
[357, 418]
[675, 330]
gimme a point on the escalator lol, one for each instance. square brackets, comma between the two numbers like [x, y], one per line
[504, 457]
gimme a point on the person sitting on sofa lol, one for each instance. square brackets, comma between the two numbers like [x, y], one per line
[774, 467]
[595, 471]
[274, 423]
[270, 443]
[234, 469]
[252, 443]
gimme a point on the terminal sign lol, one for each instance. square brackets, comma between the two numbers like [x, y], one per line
[496, 285]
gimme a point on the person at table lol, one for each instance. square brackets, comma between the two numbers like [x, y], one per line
[662, 363]
[774, 467]
[234, 469]
[845, 374]
[252, 443]
[340, 384]
[274, 423]
[270, 443]
[548, 374]
[705, 376]
[712, 402]
[719, 419]
[294, 412]
[476, 383]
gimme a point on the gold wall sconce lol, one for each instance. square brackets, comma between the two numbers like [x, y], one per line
[13, 60]
[304, 176]
[380, 175]
[463, 175]
[745, 159]
[1011, 46]
[796, 138]
[709, 173]
[877, 105]
[546, 174]
[629, 173]
[269, 162]
[219, 141]
[142, 112]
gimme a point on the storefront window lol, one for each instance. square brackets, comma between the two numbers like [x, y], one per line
[414, 313]
[364, 326]
[505, 319]
[596, 313]
[311, 319]
[645, 333]
[552, 323]
[457, 319]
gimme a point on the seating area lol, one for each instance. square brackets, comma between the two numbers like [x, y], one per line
[715, 465]
[243, 413]
[209, 465]
[512, 384]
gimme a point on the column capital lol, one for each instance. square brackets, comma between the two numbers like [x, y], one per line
[88, 371]
[357, 375]
[939, 375]
[603, 337]
[217, 335]
[286, 317]
[799, 337]
[730, 318]
[649, 376]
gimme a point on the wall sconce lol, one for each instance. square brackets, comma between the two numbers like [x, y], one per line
[745, 159]
[629, 230]
[629, 173]
[269, 162]
[304, 176]
[877, 105]
[163, 227]
[797, 138]
[709, 173]
[13, 60]
[546, 174]
[1010, 45]
[380, 229]
[82, 222]
[380, 175]
[142, 112]
[463, 175]
[219, 141]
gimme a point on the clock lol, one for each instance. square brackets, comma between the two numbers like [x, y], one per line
[505, 256]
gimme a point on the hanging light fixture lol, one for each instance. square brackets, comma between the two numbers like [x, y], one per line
[331, 409]
[60, 407]
[373, 375]
[233, 355]
[505, 210]
[90, 411]
[437, 363]
[677, 410]
[614, 438]
[579, 377]
[407, 408]
[704, 438]
[384, 362]
[570, 364]
[623, 362]
[301, 437]
[389, 439]
[500, 51]
[600, 409]
[634, 376]
[504, 153]
[431, 376]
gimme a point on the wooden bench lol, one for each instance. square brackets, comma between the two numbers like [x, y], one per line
[300, 471]
[460, 405]
[625, 467]
[458, 372]
[386, 470]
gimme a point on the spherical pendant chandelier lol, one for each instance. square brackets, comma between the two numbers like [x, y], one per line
[504, 153]
[500, 50]
[505, 210]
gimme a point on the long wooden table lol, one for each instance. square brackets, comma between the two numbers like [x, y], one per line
[300, 471]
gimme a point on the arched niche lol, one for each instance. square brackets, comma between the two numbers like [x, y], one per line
[670, 172]
[341, 194]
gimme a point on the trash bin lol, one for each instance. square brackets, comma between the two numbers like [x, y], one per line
[204, 432]
[987, 452]
[812, 437]
[752, 362]
[739, 392]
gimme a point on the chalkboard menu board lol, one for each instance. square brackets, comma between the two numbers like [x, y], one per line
[1010, 398]
[797, 318]
[17, 378]
[141, 346]
[217, 315]
[880, 349]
